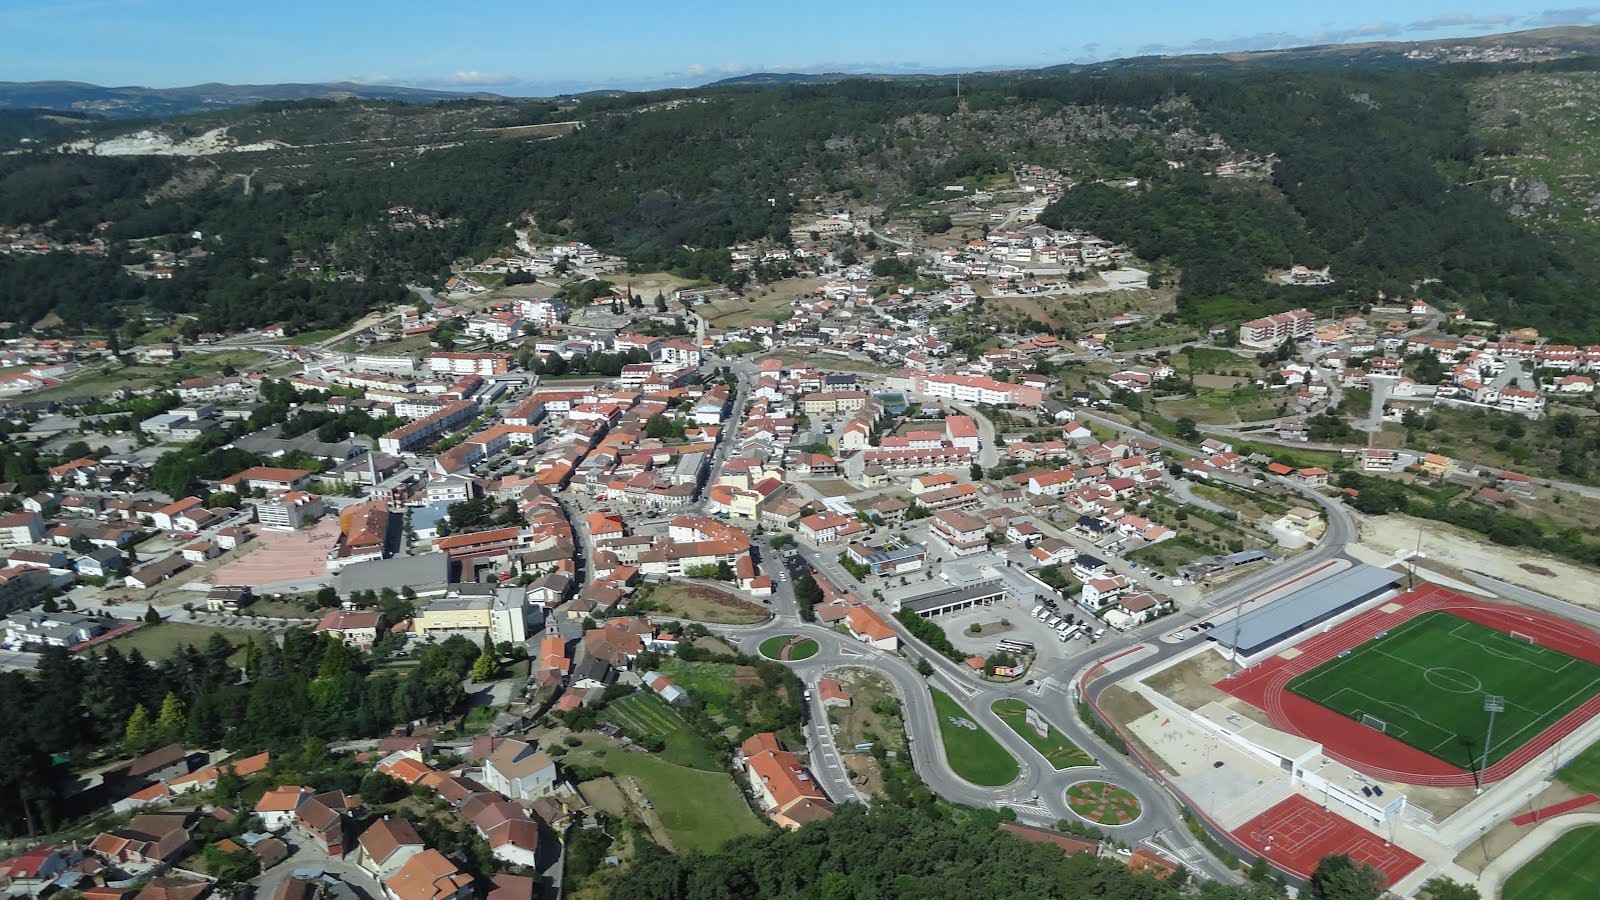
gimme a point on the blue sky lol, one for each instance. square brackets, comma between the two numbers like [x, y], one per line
[536, 47]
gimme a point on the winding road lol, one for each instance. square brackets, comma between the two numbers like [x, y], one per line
[1038, 794]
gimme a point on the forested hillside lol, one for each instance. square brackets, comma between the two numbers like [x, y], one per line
[931, 854]
[1373, 174]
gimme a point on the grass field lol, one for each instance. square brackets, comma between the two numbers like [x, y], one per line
[1566, 870]
[1582, 772]
[973, 753]
[157, 642]
[1054, 747]
[1426, 681]
[699, 811]
[772, 647]
[643, 716]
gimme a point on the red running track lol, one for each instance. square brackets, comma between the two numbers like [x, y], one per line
[1555, 809]
[1297, 833]
[1265, 686]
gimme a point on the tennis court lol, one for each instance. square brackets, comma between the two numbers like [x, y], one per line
[1425, 684]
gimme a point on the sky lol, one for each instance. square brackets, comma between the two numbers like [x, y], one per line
[540, 47]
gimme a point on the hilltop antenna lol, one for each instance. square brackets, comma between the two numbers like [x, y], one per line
[958, 87]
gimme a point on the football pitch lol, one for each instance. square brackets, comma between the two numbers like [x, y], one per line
[1424, 684]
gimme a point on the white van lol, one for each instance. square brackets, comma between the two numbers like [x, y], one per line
[1099, 634]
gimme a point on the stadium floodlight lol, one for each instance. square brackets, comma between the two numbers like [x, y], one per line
[1492, 703]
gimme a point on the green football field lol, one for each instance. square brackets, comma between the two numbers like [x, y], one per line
[1569, 869]
[1424, 684]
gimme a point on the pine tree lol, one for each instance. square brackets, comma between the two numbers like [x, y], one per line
[151, 617]
[137, 734]
[483, 668]
[169, 724]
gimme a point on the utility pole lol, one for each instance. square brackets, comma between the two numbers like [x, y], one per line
[1491, 704]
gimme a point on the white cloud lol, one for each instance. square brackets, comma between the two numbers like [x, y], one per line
[1462, 20]
[1575, 15]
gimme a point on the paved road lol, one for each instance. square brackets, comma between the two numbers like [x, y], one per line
[1039, 793]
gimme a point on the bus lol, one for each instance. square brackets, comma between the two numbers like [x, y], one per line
[1010, 646]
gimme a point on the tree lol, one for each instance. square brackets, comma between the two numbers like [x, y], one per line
[924, 668]
[151, 617]
[169, 723]
[1342, 878]
[484, 667]
[50, 605]
[326, 597]
[976, 473]
[136, 736]
[1187, 430]
[1441, 888]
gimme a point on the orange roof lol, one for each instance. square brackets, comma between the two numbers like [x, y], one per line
[406, 769]
[763, 742]
[267, 473]
[428, 875]
[282, 799]
[864, 621]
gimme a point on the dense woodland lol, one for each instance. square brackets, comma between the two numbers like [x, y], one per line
[891, 851]
[1371, 176]
[311, 687]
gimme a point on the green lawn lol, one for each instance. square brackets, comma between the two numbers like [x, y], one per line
[699, 810]
[1054, 747]
[1569, 869]
[1426, 681]
[643, 716]
[772, 647]
[973, 753]
[157, 642]
[311, 337]
[1582, 772]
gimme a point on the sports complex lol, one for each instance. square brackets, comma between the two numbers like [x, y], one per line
[1344, 712]
[1400, 691]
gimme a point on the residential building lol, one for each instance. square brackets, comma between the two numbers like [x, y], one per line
[518, 771]
[783, 788]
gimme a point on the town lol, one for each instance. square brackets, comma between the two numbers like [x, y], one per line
[381, 569]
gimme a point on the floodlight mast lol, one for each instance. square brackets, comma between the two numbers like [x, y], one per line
[1492, 703]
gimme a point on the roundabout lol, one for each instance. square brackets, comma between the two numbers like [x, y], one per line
[1103, 803]
[789, 648]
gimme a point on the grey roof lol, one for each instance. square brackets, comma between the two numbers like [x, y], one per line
[1247, 556]
[430, 571]
[940, 599]
[1303, 608]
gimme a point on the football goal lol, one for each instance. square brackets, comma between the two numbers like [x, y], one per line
[1373, 722]
[1525, 638]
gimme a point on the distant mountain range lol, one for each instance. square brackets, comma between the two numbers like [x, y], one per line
[137, 102]
[1538, 44]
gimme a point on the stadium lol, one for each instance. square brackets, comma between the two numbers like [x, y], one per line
[1402, 691]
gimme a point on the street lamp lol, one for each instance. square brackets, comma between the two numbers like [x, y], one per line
[1491, 704]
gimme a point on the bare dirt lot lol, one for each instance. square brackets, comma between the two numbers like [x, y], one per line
[1396, 534]
[1190, 684]
[863, 722]
[701, 603]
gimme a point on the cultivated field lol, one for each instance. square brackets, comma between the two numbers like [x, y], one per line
[645, 717]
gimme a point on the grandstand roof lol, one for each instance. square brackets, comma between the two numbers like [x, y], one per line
[1308, 606]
